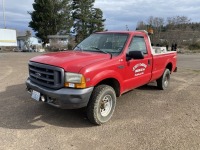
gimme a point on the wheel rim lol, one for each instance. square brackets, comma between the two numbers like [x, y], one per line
[106, 105]
[166, 80]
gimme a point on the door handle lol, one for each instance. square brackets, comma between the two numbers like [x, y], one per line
[149, 62]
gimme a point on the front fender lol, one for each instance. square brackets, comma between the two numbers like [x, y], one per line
[105, 75]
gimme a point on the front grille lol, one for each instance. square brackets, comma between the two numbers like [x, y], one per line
[46, 75]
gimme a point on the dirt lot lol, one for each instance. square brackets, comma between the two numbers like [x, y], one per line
[145, 118]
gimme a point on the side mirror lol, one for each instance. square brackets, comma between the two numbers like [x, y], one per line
[135, 55]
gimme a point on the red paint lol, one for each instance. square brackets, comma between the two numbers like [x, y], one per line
[98, 66]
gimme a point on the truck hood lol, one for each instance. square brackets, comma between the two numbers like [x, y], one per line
[71, 61]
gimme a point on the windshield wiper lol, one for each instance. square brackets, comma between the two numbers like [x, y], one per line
[99, 50]
[102, 51]
[78, 48]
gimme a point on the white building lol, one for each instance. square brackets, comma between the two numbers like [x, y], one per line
[58, 40]
[8, 37]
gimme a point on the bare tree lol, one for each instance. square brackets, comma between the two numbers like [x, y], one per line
[141, 25]
[156, 23]
[172, 30]
[177, 20]
[150, 21]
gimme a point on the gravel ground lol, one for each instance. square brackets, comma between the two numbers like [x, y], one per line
[145, 118]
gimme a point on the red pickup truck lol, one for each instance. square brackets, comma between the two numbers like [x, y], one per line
[102, 67]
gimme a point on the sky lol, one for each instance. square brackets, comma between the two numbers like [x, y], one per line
[119, 14]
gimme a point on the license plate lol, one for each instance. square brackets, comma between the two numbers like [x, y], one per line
[35, 95]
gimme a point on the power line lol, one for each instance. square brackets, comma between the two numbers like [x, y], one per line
[4, 16]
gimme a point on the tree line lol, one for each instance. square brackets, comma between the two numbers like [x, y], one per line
[178, 29]
[51, 17]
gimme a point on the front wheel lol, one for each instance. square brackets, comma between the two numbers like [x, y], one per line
[163, 81]
[101, 105]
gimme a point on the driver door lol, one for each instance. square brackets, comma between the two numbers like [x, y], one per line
[138, 72]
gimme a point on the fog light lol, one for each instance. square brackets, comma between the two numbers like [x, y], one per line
[43, 99]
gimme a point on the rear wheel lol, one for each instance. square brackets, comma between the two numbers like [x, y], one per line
[163, 81]
[101, 105]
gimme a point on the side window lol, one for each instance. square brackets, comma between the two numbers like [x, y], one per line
[138, 44]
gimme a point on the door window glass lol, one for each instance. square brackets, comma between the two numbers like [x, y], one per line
[138, 44]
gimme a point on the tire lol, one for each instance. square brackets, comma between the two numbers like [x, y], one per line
[163, 81]
[101, 105]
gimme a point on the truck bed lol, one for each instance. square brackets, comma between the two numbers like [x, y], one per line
[160, 60]
[160, 50]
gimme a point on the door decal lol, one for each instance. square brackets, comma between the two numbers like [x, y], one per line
[139, 69]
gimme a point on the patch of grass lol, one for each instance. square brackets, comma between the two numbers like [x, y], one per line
[194, 46]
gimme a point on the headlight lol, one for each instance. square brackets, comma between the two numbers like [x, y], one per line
[74, 80]
[73, 77]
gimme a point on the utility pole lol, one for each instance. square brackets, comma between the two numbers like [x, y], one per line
[4, 16]
[127, 29]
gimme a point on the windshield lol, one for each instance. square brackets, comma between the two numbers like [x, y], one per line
[112, 43]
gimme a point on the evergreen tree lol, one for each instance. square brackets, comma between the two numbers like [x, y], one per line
[96, 21]
[86, 18]
[49, 17]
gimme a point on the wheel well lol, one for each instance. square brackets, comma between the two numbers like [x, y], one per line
[169, 66]
[113, 83]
